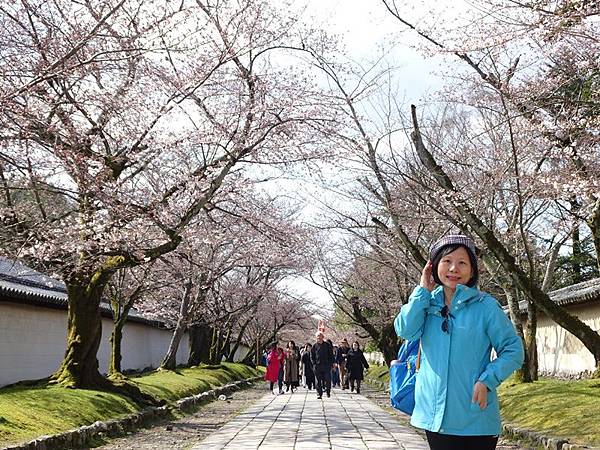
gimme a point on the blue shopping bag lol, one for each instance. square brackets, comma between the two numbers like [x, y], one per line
[403, 375]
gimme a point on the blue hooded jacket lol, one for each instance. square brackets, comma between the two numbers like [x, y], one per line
[452, 362]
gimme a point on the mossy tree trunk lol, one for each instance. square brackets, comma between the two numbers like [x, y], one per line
[238, 341]
[216, 346]
[531, 341]
[79, 367]
[226, 346]
[524, 373]
[170, 360]
[388, 343]
[120, 314]
[200, 340]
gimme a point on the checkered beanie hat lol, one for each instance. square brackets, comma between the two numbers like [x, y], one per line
[452, 239]
[455, 239]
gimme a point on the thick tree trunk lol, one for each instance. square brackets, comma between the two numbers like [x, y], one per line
[531, 341]
[238, 340]
[524, 373]
[215, 345]
[589, 337]
[169, 362]
[528, 371]
[388, 343]
[200, 340]
[114, 364]
[79, 367]
[224, 345]
[120, 314]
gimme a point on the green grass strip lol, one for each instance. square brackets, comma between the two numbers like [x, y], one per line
[27, 412]
[566, 409]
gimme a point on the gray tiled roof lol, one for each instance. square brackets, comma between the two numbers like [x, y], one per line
[577, 293]
[28, 276]
[584, 292]
[22, 284]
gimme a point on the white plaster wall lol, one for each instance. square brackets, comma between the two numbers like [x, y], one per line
[142, 346]
[375, 358]
[559, 352]
[240, 352]
[32, 343]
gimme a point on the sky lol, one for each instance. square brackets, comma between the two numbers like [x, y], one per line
[366, 28]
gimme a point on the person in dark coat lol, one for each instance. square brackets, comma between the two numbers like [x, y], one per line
[307, 369]
[321, 357]
[335, 370]
[341, 357]
[355, 364]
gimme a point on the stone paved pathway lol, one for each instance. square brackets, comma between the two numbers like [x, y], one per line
[300, 421]
[188, 432]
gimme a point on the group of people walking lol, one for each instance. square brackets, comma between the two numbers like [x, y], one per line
[316, 365]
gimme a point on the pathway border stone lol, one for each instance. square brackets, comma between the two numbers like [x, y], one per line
[80, 437]
[539, 438]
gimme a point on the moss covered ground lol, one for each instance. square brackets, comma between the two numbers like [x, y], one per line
[30, 411]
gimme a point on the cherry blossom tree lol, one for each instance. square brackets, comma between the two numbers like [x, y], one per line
[134, 113]
[514, 56]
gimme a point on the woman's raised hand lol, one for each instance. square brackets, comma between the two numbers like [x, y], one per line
[427, 280]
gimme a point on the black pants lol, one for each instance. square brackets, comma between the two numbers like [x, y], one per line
[310, 378]
[438, 441]
[280, 379]
[352, 381]
[323, 376]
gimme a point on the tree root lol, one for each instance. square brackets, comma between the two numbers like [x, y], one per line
[116, 383]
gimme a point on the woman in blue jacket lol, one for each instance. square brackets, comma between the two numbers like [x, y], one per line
[455, 391]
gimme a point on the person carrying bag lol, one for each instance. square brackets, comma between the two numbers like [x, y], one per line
[458, 327]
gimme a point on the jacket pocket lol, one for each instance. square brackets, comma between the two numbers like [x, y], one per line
[491, 400]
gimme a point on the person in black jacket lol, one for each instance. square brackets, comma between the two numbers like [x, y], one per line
[355, 364]
[321, 357]
[341, 357]
[307, 368]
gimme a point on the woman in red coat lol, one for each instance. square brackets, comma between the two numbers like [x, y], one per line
[272, 366]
